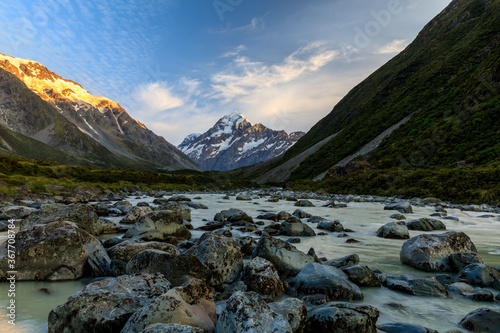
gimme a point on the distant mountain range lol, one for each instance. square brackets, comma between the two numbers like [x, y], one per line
[235, 142]
[43, 115]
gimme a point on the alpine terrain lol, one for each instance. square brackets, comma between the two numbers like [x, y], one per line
[235, 142]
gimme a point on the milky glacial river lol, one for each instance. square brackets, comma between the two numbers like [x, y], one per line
[442, 314]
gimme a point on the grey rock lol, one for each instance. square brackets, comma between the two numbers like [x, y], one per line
[342, 318]
[414, 285]
[196, 205]
[460, 260]
[482, 320]
[261, 276]
[190, 304]
[481, 275]
[333, 226]
[304, 203]
[301, 214]
[362, 276]
[425, 224]
[247, 245]
[177, 268]
[244, 197]
[283, 215]
[394, 230]
[236, 215]
[268, 216]
[451, 218]
[219, 217]
[352, 259]
[402, 207]
[330, 281]
[171, 328]
[135, 214]
[398, 217]
[16, 212]
[248, 313]
[106, 305]
[296, 229]
[294, 310]
[168, 222]
[316, 219]
[431, 252]
[406, 328]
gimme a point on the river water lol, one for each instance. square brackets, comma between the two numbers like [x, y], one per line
[442, 314]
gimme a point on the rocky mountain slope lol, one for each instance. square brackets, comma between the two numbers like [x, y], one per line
[235, 142]
[60, 113]
[447, 80]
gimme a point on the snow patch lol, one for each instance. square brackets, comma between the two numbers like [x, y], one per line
[252, 145]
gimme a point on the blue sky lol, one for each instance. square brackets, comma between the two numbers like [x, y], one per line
[178, 66]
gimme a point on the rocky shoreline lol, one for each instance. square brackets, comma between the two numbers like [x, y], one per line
[153, 276]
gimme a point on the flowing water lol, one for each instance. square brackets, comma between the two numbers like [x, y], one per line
[33, 305]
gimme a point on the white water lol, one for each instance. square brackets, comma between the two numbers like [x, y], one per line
[440, 314]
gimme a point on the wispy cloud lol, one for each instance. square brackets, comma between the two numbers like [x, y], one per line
[393, 47]
[157, 96]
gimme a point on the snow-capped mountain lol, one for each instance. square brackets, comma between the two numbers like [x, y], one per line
[60, 113]
[235, 142]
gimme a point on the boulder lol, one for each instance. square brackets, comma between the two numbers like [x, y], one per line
[197, 205]
[352, 259]
[296, 229]
[16, 212]
[333, 226]
[431, 252]
[402, 207]
[221, 255]
[394, 230]
[284, 256]
[243, 197]
[398, 217]
[301, 214]
[304, 203]
[171, 328]
[179, 198]
[55, 251]
[121, 254]
[481, 275]
[177, 268]
[414, 285]
[168, 222]
[268, 216]
[190, 304]
[236, 215]
[316, 219]
[178, 207]
[106, 305]
[459, 261]
[482, 320]
[247, 245]
[361, 276]
[425, 224]
[261, 276]
[406, 328]
[342, 318]
[283, 215]
[294, 310]
[246, 312]
[134, 214]
[330, 281]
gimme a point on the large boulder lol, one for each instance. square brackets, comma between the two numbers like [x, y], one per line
[460, 260]
[431, 252]
[296, 229]
[414, 285]
[304, 203]
[190, 304]
[402, 207]
[249, 313]
[83, 215]
[342, 318]
[482, 320]
[284, 256]
[168, 222]
[135, 214]
[177, 268]
[236, 215]
[221, 255]
[394, 230]
[481, 275]
[16, 212]
[106, 305]
[425, 224]
[55, 251]
[179, 207]
[243, 197]
[327, 280]
[261, 276]
[121, 254]
[352, 259]
[294, 310]
[333, 226]
[361, 276]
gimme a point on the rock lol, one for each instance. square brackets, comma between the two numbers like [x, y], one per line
[110, 227]
[425, 224]
[481, 275]
[247, 245]
[394, 230]
[171, 328]
[197, 205]
[142, 204]
[333, 226]
[398, 217]
[211, 226]
[179, 198]
[294, 310]
[293, 219]
[169, 223]
[362, 276]
[179, 207]
[284, 256]
[177, 268]
[296, 229]
[301, 214]
[330, 281]
[227, 290]
[244, 197]
[342, 318]
[316, 219]
[304, 203]
[55, 251]
[106, 305]
[459, 261]
[236, 215]
[268, 216]
[352, 240]
[190, 304]
[414, 285]
[81, 214]
[431, 252]
[283, 215]
[481, 295]
[221, 255]
[261, 276]
[293, 240]
[406, 328]
[352, 259]
[248, 313]
[121, 254]
[135, 214]
[16, 212]
[482, 320]
[451, 218]
[219, 217]
[402, 207]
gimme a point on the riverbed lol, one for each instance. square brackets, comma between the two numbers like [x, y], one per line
[34, 300]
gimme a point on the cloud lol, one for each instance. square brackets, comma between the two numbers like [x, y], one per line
[247, 76]
[156, 97]
[393, 47]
